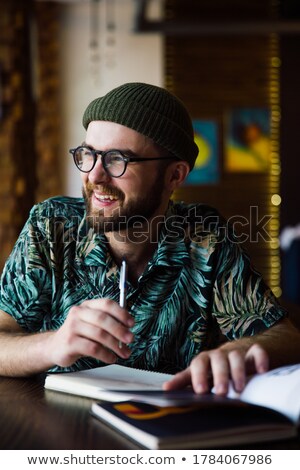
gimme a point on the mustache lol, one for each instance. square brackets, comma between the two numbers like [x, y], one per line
[104, 189]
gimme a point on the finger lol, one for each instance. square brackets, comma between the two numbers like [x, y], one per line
[201, 373]
[110, 307]
[102, 319]
[109, 334]
[96, 350]
[180, 380]
[82, 347]
[257, 359]
[237, 369]
[220, 371]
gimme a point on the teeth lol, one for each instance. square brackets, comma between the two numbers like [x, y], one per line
[106, 197]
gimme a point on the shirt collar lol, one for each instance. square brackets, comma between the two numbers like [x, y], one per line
[91, 247]
[171, 251]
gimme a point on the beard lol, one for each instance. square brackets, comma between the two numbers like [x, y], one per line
[134, 213]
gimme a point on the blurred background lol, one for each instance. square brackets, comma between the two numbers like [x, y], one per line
[234, 63]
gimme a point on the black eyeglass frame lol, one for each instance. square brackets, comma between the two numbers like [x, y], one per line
[102, 153]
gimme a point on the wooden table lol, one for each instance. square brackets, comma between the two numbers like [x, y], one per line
[34, 418]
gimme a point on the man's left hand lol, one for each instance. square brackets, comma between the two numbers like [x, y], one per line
[217, 366]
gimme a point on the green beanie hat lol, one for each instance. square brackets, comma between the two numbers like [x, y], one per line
[151, 111]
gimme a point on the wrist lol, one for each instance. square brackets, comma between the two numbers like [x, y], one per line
[241, 345]
[44, 350]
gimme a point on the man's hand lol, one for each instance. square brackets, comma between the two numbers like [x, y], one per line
[95, 328]
[217, 366]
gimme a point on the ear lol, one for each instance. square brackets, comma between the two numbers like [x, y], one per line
[176, 174]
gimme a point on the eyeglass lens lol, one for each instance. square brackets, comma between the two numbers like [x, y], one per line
[112, 161]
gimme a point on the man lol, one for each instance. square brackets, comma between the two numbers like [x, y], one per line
[194, 304]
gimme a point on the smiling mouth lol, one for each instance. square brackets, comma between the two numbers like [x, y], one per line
[105, 197]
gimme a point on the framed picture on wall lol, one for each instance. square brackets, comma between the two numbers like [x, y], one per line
[206, 169]
[247, 140]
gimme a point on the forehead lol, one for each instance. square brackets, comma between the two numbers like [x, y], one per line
[104, 134]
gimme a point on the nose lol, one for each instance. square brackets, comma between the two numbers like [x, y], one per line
[98, 174]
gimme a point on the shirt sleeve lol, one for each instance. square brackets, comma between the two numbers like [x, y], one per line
[26, 283]
[243, 304]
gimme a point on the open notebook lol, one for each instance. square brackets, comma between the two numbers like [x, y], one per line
[134, 403]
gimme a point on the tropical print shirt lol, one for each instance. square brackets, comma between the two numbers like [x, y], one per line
[198, 290]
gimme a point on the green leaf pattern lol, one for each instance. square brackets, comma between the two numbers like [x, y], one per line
[198, 290]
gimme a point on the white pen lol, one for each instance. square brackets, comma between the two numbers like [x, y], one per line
[123, 288]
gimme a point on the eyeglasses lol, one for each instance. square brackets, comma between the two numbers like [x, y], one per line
[114, 161]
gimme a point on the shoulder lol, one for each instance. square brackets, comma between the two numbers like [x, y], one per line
[199, 217]
[54, 216]
[59, 206]
[194, 210]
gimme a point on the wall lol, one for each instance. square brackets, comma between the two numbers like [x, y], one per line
[290, 135]
[215, 74]
[88, 72]
[67, 66]
[17, 123]
[49, 73]
[290, 163]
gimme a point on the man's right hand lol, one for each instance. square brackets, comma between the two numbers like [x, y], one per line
[95, 328]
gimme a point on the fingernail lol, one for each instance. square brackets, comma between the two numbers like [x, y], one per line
[128, 337]
[130, 322]
[126, 352]
[239, 385]
[220, 389]
[199, 388]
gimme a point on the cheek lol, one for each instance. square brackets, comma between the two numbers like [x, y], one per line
[84, 178]
[132, 185]
[137, 190]
[141, 183]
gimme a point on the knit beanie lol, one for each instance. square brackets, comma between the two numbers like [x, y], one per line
[153, 112]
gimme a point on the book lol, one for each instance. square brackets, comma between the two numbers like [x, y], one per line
[215, 422]
[267, 409]
[104, 382]
[278, 389]
[119, 383]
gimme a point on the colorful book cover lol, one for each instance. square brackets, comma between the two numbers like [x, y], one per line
[214, 423]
